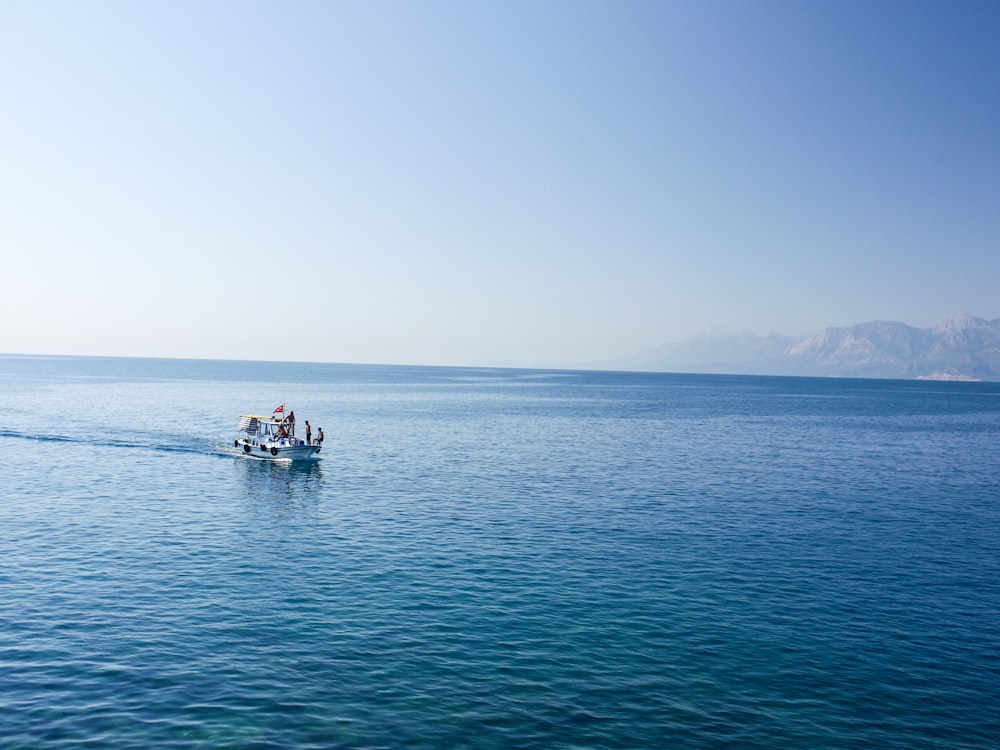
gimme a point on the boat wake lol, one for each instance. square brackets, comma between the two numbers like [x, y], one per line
[203, 448]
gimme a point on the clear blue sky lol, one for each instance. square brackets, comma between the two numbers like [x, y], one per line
[520, 183]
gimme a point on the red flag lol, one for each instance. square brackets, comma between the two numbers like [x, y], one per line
[279, 409]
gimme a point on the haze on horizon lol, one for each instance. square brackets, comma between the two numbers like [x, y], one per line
[526, 184]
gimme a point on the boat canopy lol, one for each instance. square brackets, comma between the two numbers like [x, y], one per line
[248, 423]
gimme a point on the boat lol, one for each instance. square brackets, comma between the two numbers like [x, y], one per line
[272, 438]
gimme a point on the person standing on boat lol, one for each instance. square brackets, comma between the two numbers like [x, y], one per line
[309, 434]
[319, 436]
[291, 423]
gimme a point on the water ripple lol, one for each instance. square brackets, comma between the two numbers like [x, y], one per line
[579, 562]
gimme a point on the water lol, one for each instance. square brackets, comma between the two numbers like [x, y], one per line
[496, 559]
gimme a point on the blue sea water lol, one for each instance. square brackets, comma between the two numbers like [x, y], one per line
[496, 559]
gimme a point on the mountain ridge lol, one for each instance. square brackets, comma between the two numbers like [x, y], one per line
[962, 347]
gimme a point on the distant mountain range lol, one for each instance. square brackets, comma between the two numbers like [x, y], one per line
[961, 348]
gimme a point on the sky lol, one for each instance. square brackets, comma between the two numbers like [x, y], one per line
[526, 184]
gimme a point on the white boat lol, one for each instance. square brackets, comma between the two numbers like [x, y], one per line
[269, 438]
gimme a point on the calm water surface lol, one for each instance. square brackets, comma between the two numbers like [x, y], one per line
[496, 559]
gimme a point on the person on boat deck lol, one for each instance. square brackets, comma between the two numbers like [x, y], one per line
[291, 423]
[282, 432]
[309, 434]
[319, 436]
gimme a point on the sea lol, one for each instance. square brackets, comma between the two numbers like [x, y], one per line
[495, 559]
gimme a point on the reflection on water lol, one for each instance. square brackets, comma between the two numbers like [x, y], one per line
[281, 486]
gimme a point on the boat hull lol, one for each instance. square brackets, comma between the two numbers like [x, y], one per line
[277, 451]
